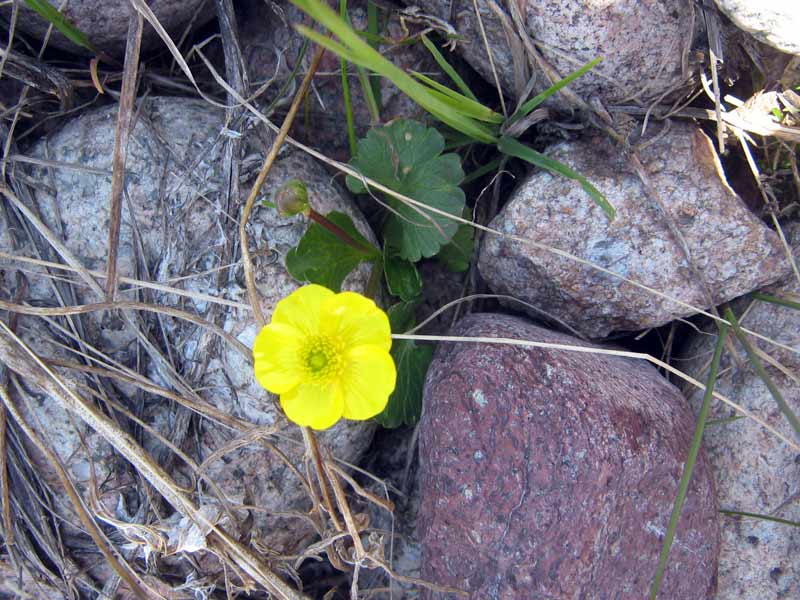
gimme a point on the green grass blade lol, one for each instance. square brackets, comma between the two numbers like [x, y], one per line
[464, 105]
[372, 29]
[447, 68]
[327, 43]
[526, 108]
[369, 95]
[739, 513]
[512, 147]
[348, 104]
[777, 300]
[60, 22]
[357, 51]
[688, 467]
[492, 165]
[755, 361]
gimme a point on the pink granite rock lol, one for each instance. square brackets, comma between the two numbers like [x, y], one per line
[552, 474]
[641, 42]
[732, 249]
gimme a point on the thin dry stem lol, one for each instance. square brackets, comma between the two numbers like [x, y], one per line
[282, 134]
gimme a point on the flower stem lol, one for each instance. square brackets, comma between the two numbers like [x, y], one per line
[339, 232]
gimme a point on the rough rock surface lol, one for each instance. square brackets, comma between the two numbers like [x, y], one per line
[387, 458]
[174, 229]
[172, 167]
[254, 475]
[106, 23]
[641, 42]
[553, 474]
[271, 48]
[755, 471]
[733, 250]
[774, 22]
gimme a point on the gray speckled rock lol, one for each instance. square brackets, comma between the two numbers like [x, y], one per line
[271, 46]
[755, 471]
[172, 167]
[552, 474]
[106, 23]
[640, 42]
[774, 22]
[254, 475]
[175, 203]
[735, 252]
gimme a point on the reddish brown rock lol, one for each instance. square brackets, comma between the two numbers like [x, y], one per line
[552, 474]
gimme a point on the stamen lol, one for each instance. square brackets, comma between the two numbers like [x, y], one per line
[321, 358]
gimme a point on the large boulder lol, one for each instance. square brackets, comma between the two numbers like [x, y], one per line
[553, 474]
[177, 229]
[641, 42]
[733, 251]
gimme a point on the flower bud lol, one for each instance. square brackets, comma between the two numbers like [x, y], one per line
[292, 198]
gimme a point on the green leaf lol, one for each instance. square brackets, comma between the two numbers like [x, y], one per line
[402, 316]
[407, 157]
[467, 106]
[787, 302]
[60, 22]
[512, 147]
[412, 362]
[402, 277]
[457, 255]
[322, 258]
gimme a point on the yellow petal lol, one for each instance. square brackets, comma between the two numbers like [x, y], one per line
[301, 308]
[313, 405]
[276, 357]
[367, 381]
[356, 321]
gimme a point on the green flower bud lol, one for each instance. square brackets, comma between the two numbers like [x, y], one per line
[292, 199]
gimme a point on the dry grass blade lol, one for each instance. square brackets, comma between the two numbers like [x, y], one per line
[117, 563]
[19, 358]
[139, 283]
[282, 134]
[488, 48]
[122, 305]
[124, 126]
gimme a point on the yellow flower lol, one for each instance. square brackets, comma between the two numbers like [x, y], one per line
[327, 356]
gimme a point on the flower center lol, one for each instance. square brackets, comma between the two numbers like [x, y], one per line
[321, 357]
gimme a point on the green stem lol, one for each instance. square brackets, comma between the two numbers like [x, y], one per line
[348, 104]
[739, 513]
[340, 233]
